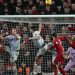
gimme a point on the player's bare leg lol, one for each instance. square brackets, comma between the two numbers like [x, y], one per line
[37, 66]
[13, 63]
[14, 68]
[38, 60]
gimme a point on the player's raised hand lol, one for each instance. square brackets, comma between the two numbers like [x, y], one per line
[40, 27]
[1, 37]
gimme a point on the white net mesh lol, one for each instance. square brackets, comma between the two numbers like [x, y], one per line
[28, 53]
[47, 19]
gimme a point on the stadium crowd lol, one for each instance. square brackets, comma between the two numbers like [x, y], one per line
[36, 7]
[27, 54]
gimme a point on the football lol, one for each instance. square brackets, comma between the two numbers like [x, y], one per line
[48, 2]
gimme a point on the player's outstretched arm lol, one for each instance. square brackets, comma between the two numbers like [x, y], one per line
[2, 38]
[34, 38]
[31, 38]
[69, 40]
[40, 27]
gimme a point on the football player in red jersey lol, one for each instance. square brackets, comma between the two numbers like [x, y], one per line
[71, 41]
[59, 59]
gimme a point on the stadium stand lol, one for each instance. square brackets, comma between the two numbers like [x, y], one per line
[36, 7]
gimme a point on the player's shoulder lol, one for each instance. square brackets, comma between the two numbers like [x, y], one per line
[57, 39]
[18, 36]
[9, 36]
[70, 49]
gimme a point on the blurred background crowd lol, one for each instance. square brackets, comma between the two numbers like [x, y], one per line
[36, 7]
[27, 54]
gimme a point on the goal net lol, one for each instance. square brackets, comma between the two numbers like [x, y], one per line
[60, 23]
[47, 19]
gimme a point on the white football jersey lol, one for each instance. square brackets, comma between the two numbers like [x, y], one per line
[38, 42]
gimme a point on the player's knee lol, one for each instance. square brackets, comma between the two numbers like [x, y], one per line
[14, 68]
[59, 64]
[59, 67]
[38, 60]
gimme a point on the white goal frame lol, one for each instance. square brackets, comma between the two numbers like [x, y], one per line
[47, 19]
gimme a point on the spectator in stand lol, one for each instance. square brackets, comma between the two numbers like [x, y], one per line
[12, 7]
[59, 10]
[6, 11]
[30, 3]
[34, 10]
[72, 11]
[69, 2]
[70, 28]
[18, 11]
[29, 11]
[47, 10]
[25, 11]
[19, 3]
[36, 7]
[41, 6]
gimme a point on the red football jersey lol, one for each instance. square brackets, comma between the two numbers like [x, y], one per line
[73, 44]
[58, 44]
[71, 28]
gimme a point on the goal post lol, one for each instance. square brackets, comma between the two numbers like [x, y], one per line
[22, 23]
[47, 19]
